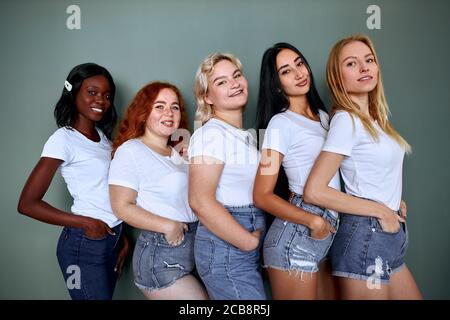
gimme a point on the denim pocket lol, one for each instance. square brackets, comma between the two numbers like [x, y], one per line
[204, 253]
[274, 234]
[162, 241]
[376, 224]
[95, 239]
[346, 234]
[138, 253]
[308, 236]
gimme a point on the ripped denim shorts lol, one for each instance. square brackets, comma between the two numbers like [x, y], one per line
[362, 250]
[288, 246]
[157, 264]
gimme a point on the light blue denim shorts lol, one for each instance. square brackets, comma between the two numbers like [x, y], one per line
[363, 251]
[158, 264]
[288, 246]
[228, 272]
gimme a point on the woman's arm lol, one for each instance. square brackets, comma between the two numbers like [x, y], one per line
[32, 205]
[204, 176]
[319, 193]
[123, 203]
[266, 199]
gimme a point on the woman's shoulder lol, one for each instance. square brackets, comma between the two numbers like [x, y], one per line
[281, 119]
[61, 134]
[130, 145]
[211, 127]
[343, 115]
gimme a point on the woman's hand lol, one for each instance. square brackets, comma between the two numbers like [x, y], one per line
[321, 228]
[122, 256]
[256, 237]
[403, 209]
[96, 229]
[184, 151]
[390, 220]
[175, 233]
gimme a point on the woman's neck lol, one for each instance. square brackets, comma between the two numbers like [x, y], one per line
[87, 128]
[233, 118]
[157, 143]
[362, 100]
[301, 106]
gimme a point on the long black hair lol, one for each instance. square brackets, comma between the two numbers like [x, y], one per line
[273, 100]
[66, 111]
[271, 97]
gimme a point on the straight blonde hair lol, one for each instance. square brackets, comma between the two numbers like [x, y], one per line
[378, 107]
[205, 111]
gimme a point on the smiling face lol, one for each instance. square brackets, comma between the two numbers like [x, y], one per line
[359, 70]
[93, 98]
[293, 73]
[227, 87]
[165, 116]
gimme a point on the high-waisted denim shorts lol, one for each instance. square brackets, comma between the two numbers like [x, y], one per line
[158, 264]
[363, 251]
[289, 246]
[228, 272]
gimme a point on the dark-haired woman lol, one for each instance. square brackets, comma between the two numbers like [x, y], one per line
[295, 119]
[90, 250]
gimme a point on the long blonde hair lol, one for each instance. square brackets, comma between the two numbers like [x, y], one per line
[378, 107]
[204, 111]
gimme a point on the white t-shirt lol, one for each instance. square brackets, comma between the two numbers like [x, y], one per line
[85, 171]
[370, 169]
[237, 149]
[300, 140]
[161, 182]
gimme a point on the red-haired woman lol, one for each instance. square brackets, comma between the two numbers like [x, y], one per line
[148, 183]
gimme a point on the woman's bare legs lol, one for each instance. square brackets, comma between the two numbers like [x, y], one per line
[401, 286]
[185, 288]
[292, 285]
[327, 284]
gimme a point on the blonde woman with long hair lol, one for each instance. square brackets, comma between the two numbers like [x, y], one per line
[368, 252]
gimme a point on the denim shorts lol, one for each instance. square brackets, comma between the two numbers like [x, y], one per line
[289, 246]
[88, 264]
[158, 264]
[363, 251]
[228, 272]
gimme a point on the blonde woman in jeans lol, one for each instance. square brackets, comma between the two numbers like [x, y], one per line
[223, 161]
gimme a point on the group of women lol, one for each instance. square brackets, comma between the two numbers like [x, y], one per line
[204, 212]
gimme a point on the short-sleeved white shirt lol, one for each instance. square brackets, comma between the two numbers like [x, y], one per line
[85, 171]
[370, 169]
[161, 181]
[237, 149]
[300, 140]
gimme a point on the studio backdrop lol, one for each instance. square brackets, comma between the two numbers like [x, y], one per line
[143, 40]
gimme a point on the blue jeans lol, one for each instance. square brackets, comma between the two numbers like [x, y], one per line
[88, 264]
[228, 272]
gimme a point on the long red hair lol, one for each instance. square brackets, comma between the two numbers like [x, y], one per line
[133, 125]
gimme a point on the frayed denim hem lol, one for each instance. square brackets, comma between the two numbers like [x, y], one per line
[365, 277]
[294, 271]
[152, 289]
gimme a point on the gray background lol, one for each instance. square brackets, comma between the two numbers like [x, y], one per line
[140, 41]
